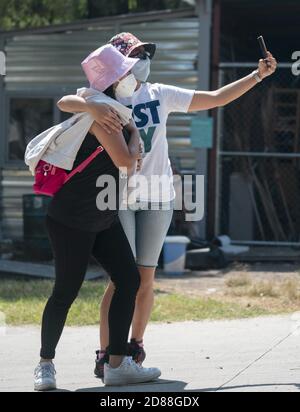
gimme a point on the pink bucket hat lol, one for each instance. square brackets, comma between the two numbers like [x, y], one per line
[127, 42]
[104, 66]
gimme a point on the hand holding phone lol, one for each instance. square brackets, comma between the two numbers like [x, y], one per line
[264, 50]
[263, 46]
[268, 64]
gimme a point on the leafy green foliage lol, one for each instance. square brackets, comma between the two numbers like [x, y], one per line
[112, 7]
[18, 14]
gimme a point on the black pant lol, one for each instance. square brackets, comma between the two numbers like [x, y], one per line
[72, 249]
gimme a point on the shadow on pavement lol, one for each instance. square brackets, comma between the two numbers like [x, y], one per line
[176, 386]
[161, 385]
[244, 387]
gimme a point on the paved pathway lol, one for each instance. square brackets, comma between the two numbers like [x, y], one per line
[244, 355]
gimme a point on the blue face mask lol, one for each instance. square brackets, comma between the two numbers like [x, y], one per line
[141, 69]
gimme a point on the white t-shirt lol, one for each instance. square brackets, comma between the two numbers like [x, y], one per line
[151, 105]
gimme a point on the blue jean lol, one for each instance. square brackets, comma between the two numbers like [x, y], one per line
[146, 230]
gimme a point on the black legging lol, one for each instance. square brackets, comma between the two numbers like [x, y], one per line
[72, 249]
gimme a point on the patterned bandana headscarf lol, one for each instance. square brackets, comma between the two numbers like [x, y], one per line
[127, 42]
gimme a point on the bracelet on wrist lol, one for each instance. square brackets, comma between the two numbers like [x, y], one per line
[255, 75]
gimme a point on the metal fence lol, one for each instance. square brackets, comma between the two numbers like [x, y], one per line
[258, 190]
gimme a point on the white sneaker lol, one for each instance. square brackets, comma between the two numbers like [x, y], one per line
[129, 372]
[44, 377]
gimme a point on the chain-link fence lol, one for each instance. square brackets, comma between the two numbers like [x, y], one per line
[258, 190]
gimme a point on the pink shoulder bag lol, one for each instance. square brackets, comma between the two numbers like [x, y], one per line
[50, 179]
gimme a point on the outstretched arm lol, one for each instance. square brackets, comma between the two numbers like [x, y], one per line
[209, 100]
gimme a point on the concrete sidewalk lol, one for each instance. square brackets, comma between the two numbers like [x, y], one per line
[254, 355]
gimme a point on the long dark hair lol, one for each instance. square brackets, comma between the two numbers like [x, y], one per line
[110, 92]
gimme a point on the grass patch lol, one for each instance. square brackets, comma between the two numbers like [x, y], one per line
[291, 288]
[276, 295]
[263, 289]
[287, 290]
[238, 281]
[23, 302]
[176, 307]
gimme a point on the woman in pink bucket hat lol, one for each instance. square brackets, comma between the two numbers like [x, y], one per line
[79, 226]
[106, 66]
[145, 226]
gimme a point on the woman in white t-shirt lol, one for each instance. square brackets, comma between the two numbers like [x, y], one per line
[146, 228]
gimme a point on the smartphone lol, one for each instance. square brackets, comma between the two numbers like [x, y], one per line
[263, 47]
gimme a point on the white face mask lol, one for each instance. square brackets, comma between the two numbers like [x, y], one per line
[126, 87]
[141, 69]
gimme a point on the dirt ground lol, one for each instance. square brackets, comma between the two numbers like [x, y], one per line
[214, 281]
[273, 286]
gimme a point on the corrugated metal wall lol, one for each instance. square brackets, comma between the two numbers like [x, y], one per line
[48, 64]
[14, 184]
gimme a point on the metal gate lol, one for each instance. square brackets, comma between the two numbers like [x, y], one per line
[258, 159]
